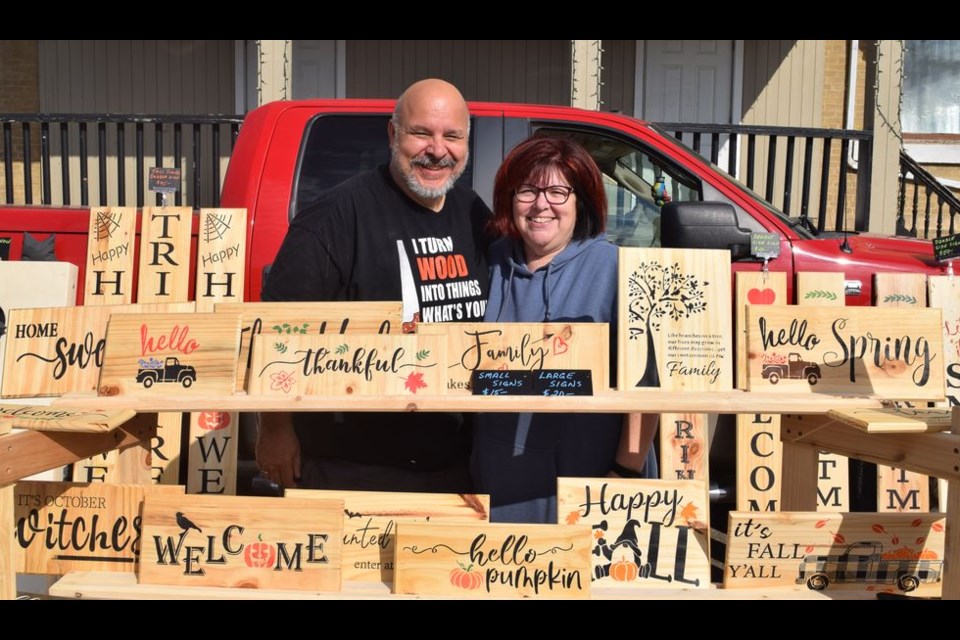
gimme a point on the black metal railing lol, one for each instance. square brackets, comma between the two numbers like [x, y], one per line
[921, 191]
[766, 160]
[97, 165]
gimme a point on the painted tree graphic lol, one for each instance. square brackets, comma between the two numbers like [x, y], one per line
[658, 293]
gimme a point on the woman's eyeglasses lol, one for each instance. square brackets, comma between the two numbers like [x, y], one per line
[556, 194]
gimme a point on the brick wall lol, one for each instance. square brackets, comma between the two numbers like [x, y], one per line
[19, 78]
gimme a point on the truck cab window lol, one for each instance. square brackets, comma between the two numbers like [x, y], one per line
[638, 183]
[337, 147]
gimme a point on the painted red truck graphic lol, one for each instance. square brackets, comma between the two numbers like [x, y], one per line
[867, 563]
[793, 369]
[170, 371]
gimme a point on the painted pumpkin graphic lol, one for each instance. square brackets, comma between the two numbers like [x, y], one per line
[465, 577]
[213, 420]
[623, 571]
[260, 554]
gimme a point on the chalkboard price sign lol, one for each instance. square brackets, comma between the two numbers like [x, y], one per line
[947, 247]
[765, 245]
[562, 382]
[164, 179]
[542, 382]
[501, 383]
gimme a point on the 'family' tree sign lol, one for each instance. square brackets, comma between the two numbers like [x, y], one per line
[675, 326]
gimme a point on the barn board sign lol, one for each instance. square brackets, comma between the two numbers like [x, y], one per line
[890, 552]
[57, 350]
[164, 254]
[229, 541]
[371, 519]
[221, 257]
[43, 418]
[895, 353]
[177, 354]
[347, 364]
[493, 560]
[522, 346]
[111, 239]
[944, 292]
[675, 322]
[646, 533]
[67, 526]
[281, 319]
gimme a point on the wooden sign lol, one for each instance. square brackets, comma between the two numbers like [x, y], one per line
[164, 254]
[759, 449]
[308, 318]
[212, 458]
[42, 418]
[221, 257]
[899, 489]
[111, 240]
[895, 419]
[370, 525]
[543, 382]
[889, 552]
[229, 541]
[945, 293]
[58, 350]
[175, 354]
[675, 321]
[66, 526]
[8, 572]
[646, 533]
[542, 561]
[890, 353]
[522, 346]
[348, 365]
[818, 289]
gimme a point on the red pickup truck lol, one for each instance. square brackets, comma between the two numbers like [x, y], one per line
[288, 152]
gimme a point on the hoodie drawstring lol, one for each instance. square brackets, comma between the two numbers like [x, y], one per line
[546, 292]
[506, 295]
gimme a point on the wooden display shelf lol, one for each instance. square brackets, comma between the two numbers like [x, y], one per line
[109, 586]
[649, 400]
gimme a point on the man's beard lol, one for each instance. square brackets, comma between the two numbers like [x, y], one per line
[410, 179]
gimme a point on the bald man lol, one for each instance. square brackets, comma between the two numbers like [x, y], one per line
[359, 241]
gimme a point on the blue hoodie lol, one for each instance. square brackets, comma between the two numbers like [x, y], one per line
[517, 458]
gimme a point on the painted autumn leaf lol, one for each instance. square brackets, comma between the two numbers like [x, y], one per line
[878, 528]
[936, 526]
[916, 523]
[821, 523]
[414, 382]
[573, 517]
[838, 538]
[689, 512]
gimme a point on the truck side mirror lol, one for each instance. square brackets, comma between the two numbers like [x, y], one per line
[703, 225]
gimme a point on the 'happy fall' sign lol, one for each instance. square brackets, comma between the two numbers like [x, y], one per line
[894, 353]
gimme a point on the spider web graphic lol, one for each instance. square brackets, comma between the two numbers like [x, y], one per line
[106, 224]
[216, 226]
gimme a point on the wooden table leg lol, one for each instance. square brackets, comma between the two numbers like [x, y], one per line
[133, 463]
[8, 576]
[799, 491]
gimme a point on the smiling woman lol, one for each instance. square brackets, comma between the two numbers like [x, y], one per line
[552, 264]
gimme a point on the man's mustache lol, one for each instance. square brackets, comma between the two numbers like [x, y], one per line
[425, 161]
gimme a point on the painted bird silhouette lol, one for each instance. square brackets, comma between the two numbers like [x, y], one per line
[185, 523]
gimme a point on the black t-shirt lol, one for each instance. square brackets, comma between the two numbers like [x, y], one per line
[366, 240]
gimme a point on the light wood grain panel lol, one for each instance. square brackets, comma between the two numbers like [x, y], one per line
[141, 350]
[897, 489]
[309, 318]
[40, 418]
[96, 527]
[358, 364]
[55, 350]
[674, 307]
[542, 561]
[8, 570]
[646, 533]
[221, 257]
[111, 241]
[759, 450]
[895, 419]
[886, 352]
[369, 529]
[944, 292]
[212, 458]
[522, 346]
[816, 289]
[779, 549]
[231, 541]
[164, 254]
